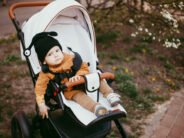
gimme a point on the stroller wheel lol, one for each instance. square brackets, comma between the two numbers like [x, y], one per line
[20, 127]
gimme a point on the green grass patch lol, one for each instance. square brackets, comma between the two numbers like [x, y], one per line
[9, 112]
[4, 136]
[147, 91]
[122, 76]
[111, 134]
[175, 86]
[129, 88]
[110, 62]
[1, 108]
[116, 56]
[136, 128]
[141, 48]
[31, 115]
[143, 103]
[6, 86]
[170, 66]
[9, 59]
[126, 120]
[106, 37]
[102, 55]
[156, 98]
[162, 58]
[127, 39]
[181, 39]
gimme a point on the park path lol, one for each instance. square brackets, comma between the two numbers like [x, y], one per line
[168, 122]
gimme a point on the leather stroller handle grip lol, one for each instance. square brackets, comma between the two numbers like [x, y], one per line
[26, 4]
[105, 75]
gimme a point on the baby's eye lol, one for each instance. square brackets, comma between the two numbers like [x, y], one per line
[50, 54]
[57, 50]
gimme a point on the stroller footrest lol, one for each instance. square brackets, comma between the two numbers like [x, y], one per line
[108, 117]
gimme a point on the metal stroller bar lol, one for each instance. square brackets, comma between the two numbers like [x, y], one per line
[19, 31]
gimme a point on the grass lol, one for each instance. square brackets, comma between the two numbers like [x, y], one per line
[162, 58]
[106, 37]
[144, 103]
[122, 76]
[10, 112]
[116, 56]
[6, 86]
[170, 66]
[1, 108]
[127, 39]
[141, 48]
[129, 88]
[102, 55]
[157, 98]
[110, 62]
[147, 91]
[111, 134]
[9, 59]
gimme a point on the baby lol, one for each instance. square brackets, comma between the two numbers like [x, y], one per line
[51, 56]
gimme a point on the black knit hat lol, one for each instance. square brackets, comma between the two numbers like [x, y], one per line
[43, 42]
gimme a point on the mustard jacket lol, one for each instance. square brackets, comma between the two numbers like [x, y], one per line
[43, 78]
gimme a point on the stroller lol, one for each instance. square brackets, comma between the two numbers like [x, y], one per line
[75, 33]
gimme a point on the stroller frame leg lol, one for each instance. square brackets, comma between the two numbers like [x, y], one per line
[120, 128]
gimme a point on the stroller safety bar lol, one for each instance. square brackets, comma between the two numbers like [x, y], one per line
[106, 75]
[25, 4]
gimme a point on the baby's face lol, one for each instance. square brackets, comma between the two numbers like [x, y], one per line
[54, 56]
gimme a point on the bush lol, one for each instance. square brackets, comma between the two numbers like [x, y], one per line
[145, 102]
[129, 88]
[106, 37]
[147, 91]
[122, 76]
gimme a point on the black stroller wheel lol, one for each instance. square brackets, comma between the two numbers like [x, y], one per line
[20, 127]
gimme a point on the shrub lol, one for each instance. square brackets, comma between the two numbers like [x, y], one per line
[122, 76]
[129, 88]
[147, 91]
[146, 103]
[106, 37]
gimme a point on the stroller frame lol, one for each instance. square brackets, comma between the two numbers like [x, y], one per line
[20, 125]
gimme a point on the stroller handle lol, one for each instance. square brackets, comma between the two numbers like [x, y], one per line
[26, 4]
[105, 75]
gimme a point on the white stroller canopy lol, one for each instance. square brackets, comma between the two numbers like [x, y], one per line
[73, 25]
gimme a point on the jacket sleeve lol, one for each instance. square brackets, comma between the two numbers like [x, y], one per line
[41, 86]
[83, 69]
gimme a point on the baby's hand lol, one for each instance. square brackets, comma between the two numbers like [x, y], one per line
[43, 110]
[75, 78]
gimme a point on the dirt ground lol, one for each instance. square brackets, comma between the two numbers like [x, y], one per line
[17, 92]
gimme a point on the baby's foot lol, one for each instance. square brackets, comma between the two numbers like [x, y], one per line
[100, 110]
[113, 98]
